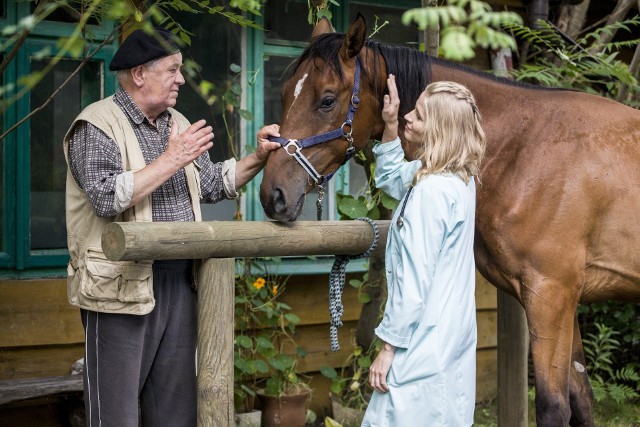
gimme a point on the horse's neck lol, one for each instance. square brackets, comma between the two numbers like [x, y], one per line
[502, 105]
[491, 95]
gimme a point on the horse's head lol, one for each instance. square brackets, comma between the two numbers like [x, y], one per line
[330, 108]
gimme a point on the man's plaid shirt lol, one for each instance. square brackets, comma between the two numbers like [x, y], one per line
[96, 163]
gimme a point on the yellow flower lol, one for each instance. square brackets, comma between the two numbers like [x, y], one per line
[259, 283]
[274, 290]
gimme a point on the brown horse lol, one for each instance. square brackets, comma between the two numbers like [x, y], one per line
[556, 218]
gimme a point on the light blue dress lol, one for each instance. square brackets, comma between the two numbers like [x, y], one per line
[430, 314]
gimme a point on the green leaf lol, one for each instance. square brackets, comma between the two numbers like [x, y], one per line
[245, 114]
[292, 318]
[387, 201]
[364, 298]
[244, 341]
[261, 366]
[329, 372]
[352, 208]
[263, 343]
[457, 45]
[355, 283]
[281, 362]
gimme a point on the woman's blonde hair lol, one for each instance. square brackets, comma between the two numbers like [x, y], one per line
[453, 140]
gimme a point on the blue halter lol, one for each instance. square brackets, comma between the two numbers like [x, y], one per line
[298, 145]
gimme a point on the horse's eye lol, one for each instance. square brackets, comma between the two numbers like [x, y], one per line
[327, 103]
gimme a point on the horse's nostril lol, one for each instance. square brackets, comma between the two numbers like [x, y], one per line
[278, 201]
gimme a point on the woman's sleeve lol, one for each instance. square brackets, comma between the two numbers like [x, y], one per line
[425, 228]
[393, 173]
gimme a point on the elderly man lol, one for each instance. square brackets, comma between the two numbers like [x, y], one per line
[132, 157]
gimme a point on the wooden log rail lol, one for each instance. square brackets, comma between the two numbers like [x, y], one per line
[228, 239]
[217, 243]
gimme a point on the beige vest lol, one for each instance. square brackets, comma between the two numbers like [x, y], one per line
[94, 282]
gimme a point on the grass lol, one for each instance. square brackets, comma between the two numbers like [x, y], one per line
[606, 413]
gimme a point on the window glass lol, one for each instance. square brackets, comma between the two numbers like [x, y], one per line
[3, 13]
[47, 130]
[394, 32]
[287, 20]
[276, 71]
[214, 45]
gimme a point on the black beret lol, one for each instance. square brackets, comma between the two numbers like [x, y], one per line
[140, 48]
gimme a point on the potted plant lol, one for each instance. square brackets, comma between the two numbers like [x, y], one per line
[350, 389]
[266, 353]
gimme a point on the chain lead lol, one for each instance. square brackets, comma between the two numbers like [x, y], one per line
[319, 201]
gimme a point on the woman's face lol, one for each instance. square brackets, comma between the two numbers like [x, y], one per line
[414, 129]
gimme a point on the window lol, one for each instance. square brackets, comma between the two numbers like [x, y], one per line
[32, 180]
[46, 158]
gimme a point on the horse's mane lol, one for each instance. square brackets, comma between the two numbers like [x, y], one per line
[411, 67]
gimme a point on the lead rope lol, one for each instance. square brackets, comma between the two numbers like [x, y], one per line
[336, 284]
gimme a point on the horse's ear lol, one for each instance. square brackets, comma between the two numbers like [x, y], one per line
[322, 27]
[354, 39]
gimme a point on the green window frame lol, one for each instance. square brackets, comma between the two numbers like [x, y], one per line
[17, 258]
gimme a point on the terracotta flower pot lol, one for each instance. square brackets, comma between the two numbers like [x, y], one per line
[289, 410]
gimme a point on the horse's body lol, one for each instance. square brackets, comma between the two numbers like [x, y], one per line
[556, 207]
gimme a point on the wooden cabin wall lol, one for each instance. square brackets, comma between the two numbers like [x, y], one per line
[41, 332]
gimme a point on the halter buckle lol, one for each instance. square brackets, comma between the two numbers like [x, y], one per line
[292, 143]
[344, 132]
[355, 100]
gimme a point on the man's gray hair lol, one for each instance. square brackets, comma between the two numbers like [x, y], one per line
[125, 75]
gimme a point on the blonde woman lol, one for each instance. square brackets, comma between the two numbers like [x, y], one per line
[425, 373]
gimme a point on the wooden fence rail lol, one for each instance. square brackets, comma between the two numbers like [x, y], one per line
[217, 243]
[228, 239]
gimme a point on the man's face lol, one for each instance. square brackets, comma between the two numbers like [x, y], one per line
[162, 81]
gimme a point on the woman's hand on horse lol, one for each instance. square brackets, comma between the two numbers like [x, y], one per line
[390, 110]
[264, 145]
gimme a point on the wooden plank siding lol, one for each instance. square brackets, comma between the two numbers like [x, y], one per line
[42, 335]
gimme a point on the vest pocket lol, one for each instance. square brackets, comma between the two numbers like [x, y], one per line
[137, 282]
[124, 281]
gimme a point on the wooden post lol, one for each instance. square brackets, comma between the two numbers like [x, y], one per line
[215, 279]
[513, 351]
